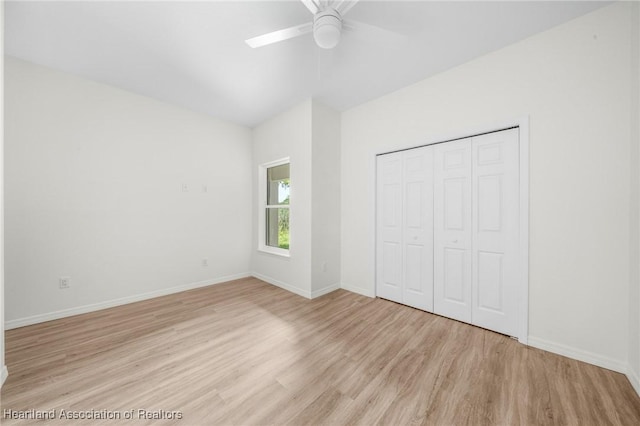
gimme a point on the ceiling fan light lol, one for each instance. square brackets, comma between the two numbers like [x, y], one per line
[327, 27]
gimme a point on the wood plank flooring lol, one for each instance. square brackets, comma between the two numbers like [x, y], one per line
[248, 353]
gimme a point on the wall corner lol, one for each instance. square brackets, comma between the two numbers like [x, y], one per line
[633, 368]
[2, 360]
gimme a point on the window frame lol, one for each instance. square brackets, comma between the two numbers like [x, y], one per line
[263, 206]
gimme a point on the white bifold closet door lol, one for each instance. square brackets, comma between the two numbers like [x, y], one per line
[452, 230]
[476, 230]
[496, 220]
[448, 229]
[405, 227]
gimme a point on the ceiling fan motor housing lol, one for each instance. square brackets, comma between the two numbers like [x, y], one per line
[327, 27]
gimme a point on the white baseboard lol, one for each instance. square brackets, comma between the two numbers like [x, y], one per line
[3, 375]
[326, 290]
[634, 378]
[282, 285]
[578, 354]
[35, 319]
[358, 290]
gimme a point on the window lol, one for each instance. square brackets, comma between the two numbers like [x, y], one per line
[275, 186]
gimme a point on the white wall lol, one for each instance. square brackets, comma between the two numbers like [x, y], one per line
[634, 264]
[309, 134]
[286, 135]
[325, 250]
[94, 180]
[574, 83]
[3, 368]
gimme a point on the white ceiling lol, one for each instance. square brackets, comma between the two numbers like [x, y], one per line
[193, 53]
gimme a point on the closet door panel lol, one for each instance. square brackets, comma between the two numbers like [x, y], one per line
[389, 223]
[447, 229]
[495, 159]
[418, 228]
[452, 229]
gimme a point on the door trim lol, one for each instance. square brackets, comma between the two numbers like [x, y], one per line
[523, 134]
[523, 138]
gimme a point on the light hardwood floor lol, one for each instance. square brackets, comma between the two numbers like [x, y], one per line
[246, 352]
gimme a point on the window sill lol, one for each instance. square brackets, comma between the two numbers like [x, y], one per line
[275, 251]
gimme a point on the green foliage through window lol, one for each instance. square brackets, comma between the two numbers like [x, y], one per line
[277, 211]
[283, 216]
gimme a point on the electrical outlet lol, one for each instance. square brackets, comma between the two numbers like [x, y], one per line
[64, 282]
[204, 188]
[185, 187]
[205, 262]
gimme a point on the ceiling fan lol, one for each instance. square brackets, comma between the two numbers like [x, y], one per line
[327, 25]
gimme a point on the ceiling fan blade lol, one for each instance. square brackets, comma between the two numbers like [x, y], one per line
[280, 35]
[343, 6]
[372, 33]
[312, 5]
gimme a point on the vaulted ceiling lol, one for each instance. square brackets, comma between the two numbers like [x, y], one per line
[193, 54]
